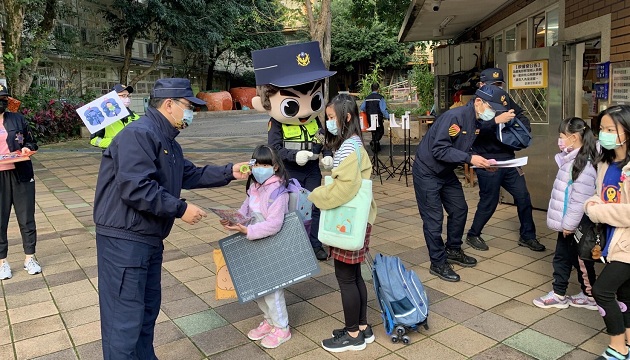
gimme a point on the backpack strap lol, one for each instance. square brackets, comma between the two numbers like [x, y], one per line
[281, 190]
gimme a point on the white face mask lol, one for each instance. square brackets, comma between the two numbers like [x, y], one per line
[126, 102]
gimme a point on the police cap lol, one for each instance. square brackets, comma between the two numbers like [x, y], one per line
[491, 75]
[495, 96]
[120, 88]
[175, 88]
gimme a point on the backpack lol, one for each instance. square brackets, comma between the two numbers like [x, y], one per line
[298, 201]
[514, 135]
[400, 294]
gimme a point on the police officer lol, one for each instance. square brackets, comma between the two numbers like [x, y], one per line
[374, 104]
[103, 137]
[136, 202]
[491, 180]
[446, 146]
[290, 88]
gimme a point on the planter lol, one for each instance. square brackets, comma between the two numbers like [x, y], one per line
[216, 101]
[242, 95]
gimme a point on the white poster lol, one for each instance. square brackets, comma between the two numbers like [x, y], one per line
[621, 85]
[107, 109]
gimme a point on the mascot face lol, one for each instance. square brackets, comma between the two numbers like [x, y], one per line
[297, 105]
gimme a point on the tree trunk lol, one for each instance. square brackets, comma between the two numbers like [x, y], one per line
[124, 70]
[12, 38]
[210, 76]
[153, 66]
[320, 31]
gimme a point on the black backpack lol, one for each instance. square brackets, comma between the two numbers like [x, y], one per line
[514, 135]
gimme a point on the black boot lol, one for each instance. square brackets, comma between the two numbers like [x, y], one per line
[444, 272]
[320, 253]
[532, 244]
[476, 242]
[458, 257]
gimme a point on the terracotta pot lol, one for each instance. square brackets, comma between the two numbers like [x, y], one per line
[243, 95]
[216, 101]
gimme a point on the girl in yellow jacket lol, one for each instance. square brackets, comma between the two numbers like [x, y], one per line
[611, 206]
[343, 133]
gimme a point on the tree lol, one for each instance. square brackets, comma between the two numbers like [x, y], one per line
[245, 27]
[29, 24]
[389, 12]
[165, 22]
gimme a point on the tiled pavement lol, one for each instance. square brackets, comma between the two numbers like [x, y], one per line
[488, 315]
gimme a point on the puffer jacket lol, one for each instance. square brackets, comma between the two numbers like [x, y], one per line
[572, 196]
[617, 215]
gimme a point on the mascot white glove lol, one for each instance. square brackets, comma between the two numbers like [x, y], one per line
[302, 156]
[327, 161]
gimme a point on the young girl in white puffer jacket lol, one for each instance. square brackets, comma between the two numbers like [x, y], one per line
[574, 184]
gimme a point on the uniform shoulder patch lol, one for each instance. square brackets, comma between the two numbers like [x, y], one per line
[453, 130]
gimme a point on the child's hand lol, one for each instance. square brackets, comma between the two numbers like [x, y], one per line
[237, 227]
[566, 233]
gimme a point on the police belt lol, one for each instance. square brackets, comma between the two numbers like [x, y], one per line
[301, 145]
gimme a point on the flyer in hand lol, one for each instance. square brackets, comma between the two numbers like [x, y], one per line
[14, 157]
[231, 215]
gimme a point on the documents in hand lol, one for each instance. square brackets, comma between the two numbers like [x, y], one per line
[231, 215]
[509, 163]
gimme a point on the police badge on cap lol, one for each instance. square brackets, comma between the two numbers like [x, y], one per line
[290, 65]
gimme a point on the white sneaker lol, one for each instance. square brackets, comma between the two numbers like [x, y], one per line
[5, 271]
[582, 301]
[32, 267]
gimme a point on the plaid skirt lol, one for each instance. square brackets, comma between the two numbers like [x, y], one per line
[352, 257]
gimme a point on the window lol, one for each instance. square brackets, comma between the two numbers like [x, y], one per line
[510, 39]
[552, 28]
[539, 30]
[546, 28]
[521, 36]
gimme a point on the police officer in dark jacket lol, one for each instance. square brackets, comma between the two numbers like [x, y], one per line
[17, 187]
[136, 202]
[492, 179]
[374, 104]
[445, 147]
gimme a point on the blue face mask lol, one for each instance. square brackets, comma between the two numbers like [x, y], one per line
[262, 174]
[487, 115]
[331, 126]
[188, 117]
[608, 140]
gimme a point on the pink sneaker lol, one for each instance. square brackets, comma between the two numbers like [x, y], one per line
[261, 331]
[275, 338]
[583, 301]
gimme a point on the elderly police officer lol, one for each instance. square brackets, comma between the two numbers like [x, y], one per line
[491, 180]
[137, 200]
[446, 146]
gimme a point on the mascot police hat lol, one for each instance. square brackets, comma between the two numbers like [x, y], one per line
[290, 65]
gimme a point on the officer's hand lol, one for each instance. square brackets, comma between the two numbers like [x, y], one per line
[505, 117]
[302, 156]
[193, 214]
[327, 161]
[480, 161]
[241, 170]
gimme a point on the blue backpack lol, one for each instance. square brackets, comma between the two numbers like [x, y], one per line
[514, 135]
[400, 294]
[298, 201]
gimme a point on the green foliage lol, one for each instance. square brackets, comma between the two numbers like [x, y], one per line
[389, 12]
[365, 84]
[422, 78]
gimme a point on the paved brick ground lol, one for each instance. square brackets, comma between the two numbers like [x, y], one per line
[488, 315]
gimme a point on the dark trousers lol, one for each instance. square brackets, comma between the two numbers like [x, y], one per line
[310, 177]
[611, 292]
[129, 293]
[490, 183]
[564, 260]
[377, 134]
[353, 294]
[433, 193]
[20, 195]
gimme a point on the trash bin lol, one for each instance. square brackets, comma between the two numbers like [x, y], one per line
[146, 104]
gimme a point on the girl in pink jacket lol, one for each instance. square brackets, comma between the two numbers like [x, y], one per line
[574, 184]
[267, 214]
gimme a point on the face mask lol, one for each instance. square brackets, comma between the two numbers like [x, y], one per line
[3, 106]
[609, 141]
[487, 115]
[187, 119]
[262, 174]
[126, 102]
[331, 126]
[564, 147]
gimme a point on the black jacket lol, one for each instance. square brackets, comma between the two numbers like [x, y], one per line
[18, 136]
[140, 180]
[448, 142]
[487, 143]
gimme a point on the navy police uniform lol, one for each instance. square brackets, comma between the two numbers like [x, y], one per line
[491, 180]
[136, 202]
[445, 146]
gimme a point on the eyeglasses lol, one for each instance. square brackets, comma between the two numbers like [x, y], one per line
[188, 106]
[124, 96]
[490, 106]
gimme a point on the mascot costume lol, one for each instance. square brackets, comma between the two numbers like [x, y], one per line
[290, 88]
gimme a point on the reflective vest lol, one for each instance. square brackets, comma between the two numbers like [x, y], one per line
[299, 137]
